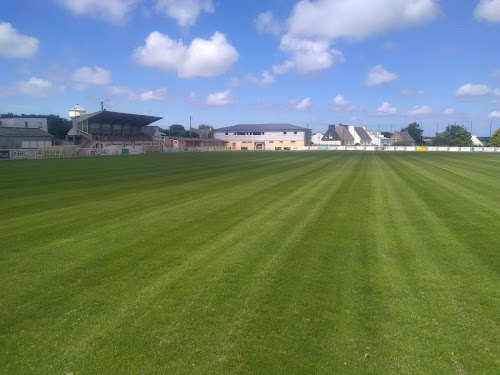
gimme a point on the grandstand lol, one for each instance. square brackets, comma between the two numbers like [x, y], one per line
[104, 129]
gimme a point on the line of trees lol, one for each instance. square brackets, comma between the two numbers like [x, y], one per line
[453, 135]
[203, 131]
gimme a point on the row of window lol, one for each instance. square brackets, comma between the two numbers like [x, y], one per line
[268, 141]
[254, 133]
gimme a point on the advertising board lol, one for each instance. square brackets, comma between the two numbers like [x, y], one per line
[4, 155]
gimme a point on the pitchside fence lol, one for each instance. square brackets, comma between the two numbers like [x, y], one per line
[75, 151]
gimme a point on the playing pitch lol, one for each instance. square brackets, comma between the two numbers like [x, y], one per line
[251, 262]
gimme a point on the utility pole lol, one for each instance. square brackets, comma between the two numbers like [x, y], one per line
[190, 126]
[491, 123]
[471, 127]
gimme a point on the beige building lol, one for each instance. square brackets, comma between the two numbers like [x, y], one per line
[264, 136]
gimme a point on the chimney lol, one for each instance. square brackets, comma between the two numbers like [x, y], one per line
[364, 127]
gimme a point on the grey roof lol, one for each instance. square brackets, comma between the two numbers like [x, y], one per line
[362, 133]
[108, 117]
[23, 132]
[331, 134]
[402, 136]
[261, 127]
[344, 134]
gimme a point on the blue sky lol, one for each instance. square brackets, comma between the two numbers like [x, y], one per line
[380, 63]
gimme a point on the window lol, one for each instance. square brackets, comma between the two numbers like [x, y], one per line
[257, 133]
[293, 141]
[281, 141]
[284, 132]
[271, 141]
[240, 133]
[0, 123]
[26, 124]
[234, 133]
[227, 133]
[294, 132]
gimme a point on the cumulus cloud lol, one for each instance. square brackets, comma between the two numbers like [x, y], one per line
[185, 12]
[378, 75]
[35, 87]
[265, 80]
[420, 111]
[488, 10]
[283, 68]
[303, 105]
[341, 104]
[386, 109]
[145, 95]
[412, 93]
[85, 76]
[494, 114]
[202, 58]
[220, 98]
[358, 18]
[266, 24]
[449, 111]
[308, 56]
[13, 44]
[470, 90]
[115, 11]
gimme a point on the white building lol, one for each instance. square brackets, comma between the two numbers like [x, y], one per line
[264, 136]
[378, 139]
[25, 122]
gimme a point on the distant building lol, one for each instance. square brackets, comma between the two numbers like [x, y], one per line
[181, 142]
[263, 136]
[360, 135]
[338, 135]
[24, 133]
[402, 137]
[24, 122]
[378, 139]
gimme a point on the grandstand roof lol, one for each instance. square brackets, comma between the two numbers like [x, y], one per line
[111, 118]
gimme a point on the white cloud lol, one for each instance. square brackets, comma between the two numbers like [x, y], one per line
[449, 111]
[341, 104]
[386, 109]
[488, 10]
[13, 44]
[266, 80]
[309, 56]
[145, 95]
[114, 11]
[265, 23]
[473, 90]
[283, 68]
[420, 111]
[35, 87]
[185, 12]
[378, 75]
[412, 93]
[358, 18]
[220, 98]
[304, 105]
[85, 76]
[203, 58]
[494, 114]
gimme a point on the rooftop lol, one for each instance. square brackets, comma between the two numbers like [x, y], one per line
[22, 132]
[112, 118]
[262, 127]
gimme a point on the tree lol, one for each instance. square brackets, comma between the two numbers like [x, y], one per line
[495, 139]
[447, 138]
[415, 131]
[462, 138]
[206, 131]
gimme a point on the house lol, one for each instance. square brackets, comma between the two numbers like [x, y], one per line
[360, 135]
[378, 139]
[154, 132]
[403, 137]
[264, 136]
[338, 135]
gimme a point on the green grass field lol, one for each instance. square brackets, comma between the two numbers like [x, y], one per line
[241, 262]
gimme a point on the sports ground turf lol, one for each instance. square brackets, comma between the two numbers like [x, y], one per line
[246, 262]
